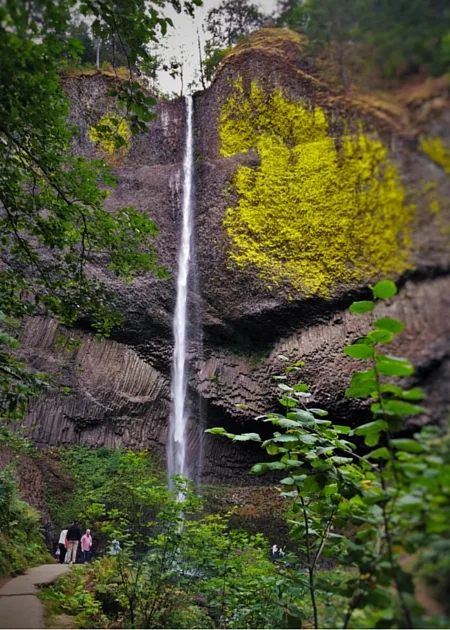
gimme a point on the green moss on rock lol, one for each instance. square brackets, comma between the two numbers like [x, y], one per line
[316, 212]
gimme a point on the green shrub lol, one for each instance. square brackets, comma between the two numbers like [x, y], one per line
[21, 540]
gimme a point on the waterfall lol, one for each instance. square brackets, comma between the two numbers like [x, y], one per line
[176, 453]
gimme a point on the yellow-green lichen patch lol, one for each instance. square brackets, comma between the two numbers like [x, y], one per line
[112, 136]
[438, 206]
[434, 148]
[315, 212]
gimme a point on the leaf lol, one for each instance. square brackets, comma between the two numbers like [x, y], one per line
[245, 437]
[258, 469]
[405, 444]
[272, 449]
[412, 394]
[285, 438]
[286, 423]
[371, 427]
[305, 417]
[216, 431]
[372, 439]
[341, 429]
[409, 500]
[387, 323]
[308, 439]
[380, 336]
[393, 366]
[379, 453]
[402, 408]
[286, 401]
[275, 466]
[359, 351]
[384, 289]
[335, 459]
[282, 357]
[362, 307]
[365, 375]
[284, 387]
[388, 388]
[318, 412]
[292, 463]
[300, 387]
[362, 389]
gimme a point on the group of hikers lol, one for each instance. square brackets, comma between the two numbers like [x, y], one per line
[69, 539]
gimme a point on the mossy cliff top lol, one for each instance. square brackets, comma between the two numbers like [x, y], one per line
[279, 49]
[320, 192]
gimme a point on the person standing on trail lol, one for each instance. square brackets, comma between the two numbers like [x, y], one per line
[274, 552]
[86, 544]
[62, 545]
[73, 537]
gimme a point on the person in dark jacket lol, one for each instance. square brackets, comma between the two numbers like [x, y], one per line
[73, 539]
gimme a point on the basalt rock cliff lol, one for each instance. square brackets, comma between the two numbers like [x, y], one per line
[304, 196]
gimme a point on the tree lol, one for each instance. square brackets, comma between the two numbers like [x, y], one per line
[52, 221]
[402, 36]
[80, 31]
[408, 35]
[231, 20]
[227, 24]
[213, 57]
[324, 22]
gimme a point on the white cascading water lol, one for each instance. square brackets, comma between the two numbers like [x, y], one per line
[177, 451]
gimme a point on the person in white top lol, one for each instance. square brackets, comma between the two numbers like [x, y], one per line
[274, 552]
[62, 545]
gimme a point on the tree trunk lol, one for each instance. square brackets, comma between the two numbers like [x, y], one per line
[342, 68]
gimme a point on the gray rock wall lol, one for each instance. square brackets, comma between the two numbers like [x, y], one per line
[120, 388]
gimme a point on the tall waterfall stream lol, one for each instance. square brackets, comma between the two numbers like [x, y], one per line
[177, 446]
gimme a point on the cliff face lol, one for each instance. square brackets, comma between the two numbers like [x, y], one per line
[303, 197]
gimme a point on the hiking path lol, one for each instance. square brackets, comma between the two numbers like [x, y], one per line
[19, 604]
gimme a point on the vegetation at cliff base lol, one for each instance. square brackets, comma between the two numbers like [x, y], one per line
[367, 496]
[21, 537]
[103, 476]
[366, 506]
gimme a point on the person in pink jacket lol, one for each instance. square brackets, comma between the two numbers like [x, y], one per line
[86, 544]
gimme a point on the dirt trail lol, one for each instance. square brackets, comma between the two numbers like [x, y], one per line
[19, 605]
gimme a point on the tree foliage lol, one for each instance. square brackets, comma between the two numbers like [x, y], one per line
[363, 510]
[54, 229]
[226, 24]
[21, 540]
[179, 569]
[231, 20]
[401, 36]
